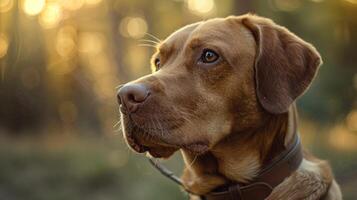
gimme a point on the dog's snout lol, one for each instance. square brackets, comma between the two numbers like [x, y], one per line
[130, 96]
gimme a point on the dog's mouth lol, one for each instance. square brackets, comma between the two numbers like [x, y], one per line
[141, 141]
[157, 142]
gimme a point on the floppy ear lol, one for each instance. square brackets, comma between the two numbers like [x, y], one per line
[285, 65]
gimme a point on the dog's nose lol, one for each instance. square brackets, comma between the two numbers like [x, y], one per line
[130, 96]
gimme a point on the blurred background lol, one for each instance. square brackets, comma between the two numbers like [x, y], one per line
[60, 63]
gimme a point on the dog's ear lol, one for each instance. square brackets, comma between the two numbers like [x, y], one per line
[285, 65]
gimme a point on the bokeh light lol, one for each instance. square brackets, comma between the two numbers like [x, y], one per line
[286, 5]
[93, 2]
[4, 45]
[51, 15]
[72, 4]
[90, 43]
[6, 5]
[134, 27]
[33, 7]
[352, 1]
[65, 42]
[201, 6]
[62, 60]
[343, 139]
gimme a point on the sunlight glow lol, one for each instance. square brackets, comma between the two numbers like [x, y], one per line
[72, 4]
[6, 5]
[134, 27]
[93, 2]
[343, 139]
[90, 43]
[201, 6]
[33, 7]
[287, 6]
[65, 44]
[51, 16]
[4, 44]
[352, 1]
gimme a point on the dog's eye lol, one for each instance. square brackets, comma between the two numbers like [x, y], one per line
[209, 56]
[157, 62]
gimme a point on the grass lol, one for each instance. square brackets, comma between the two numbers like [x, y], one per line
[99, 168]
[87, 168]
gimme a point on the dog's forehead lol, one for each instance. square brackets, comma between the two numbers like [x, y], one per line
[180, 36]
[217, 28]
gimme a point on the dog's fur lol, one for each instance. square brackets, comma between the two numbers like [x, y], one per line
[229, 118]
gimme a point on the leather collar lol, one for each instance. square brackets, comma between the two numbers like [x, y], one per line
[271, 175]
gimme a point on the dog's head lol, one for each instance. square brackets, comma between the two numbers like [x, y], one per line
[214, 78]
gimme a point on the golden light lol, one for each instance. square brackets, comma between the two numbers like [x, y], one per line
[352, 1]
[65, 44]
[6, 5]
[317, 1]
[93, 2]
[103, 89]
[351, 121]
[4, 45]
[33, 7]
[136, 58]
[134, 27]
[91, 43]
[100, 66]
[343, 139]
[72, 4]
[201, 6]
[51, 16]
[287, 5]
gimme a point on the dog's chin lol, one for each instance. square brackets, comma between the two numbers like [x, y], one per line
[163, 150]
[156, 151]
[141, 141]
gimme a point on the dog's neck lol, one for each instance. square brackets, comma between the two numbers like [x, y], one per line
[238, 157]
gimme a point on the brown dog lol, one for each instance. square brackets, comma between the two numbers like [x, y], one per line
[221, 93]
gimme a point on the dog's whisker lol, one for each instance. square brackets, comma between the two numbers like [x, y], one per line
[160, 127]
[186, 116]
[150, 41]
[146, 45]
[193, 161]
[153, 37]
[119, 86]
[116, 124]
[154, 127]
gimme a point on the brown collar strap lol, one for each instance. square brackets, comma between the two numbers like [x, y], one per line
[271, 176]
